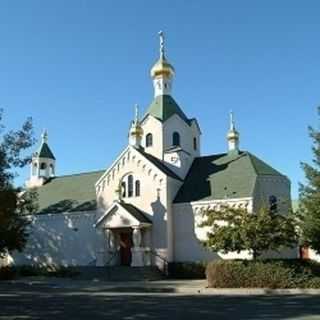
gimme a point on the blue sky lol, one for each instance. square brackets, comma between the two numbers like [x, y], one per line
[78, 67]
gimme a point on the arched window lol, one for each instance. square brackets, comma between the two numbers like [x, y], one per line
[195, 144]
[34, 169]
[130, 186]
[123, 189]
[137, 188]
[176, 139]
[273, 204]
[52, 170]
[43, 166]
[149, 140]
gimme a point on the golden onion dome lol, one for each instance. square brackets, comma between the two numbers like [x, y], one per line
[233, 135]
[162, 68]
[136, 130]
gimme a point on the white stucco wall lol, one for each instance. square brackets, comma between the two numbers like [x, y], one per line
[153, 126]
[188, 235]
[187, 133]
[61, 239]
[313, 255]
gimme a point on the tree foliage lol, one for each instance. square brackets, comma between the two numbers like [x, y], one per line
[309, 197]
[14, 202]
[235, 229]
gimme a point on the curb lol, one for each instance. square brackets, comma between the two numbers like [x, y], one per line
[258, 292]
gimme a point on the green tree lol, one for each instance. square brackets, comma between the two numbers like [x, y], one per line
[15, 203]
[235, 229]
[309, 196]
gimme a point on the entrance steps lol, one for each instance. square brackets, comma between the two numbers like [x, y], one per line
[119, 273]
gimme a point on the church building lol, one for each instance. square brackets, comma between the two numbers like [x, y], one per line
[144, 210]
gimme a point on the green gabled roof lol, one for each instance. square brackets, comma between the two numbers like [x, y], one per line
[135, 212]
[231, 175]
[45, 152]
[163, 107]
[69, 193]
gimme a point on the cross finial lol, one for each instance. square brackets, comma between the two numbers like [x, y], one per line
[161, 35]
[136, 113]
[44, 136]
[232, 122]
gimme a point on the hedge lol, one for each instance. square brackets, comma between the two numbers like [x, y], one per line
[273, 274]
[10, 273]
[187, 270]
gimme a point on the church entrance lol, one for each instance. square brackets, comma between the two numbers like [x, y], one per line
[125, 248]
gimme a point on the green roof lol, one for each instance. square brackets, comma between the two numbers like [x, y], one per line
[69, 193]
[135, 212]
[231, 175]
[45, 152]
[163, 107]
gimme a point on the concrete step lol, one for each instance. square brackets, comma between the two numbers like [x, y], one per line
[119, 273]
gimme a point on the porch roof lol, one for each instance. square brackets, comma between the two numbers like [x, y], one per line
[138, 217]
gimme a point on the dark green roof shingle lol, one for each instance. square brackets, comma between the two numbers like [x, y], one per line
[69, 193]
[222, 176]
[135, 212]
[163, 107]
[45, 152]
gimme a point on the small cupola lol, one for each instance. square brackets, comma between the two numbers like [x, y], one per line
[136, 131]
[162, 72]
[43, 164]
[233, 136]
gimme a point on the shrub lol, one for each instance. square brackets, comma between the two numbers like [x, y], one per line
[7, 273]
[188, 270]
[263, 274]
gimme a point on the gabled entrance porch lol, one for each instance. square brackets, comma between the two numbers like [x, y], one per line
[127, 233]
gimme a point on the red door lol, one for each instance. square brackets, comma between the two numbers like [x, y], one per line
[125, 248]
[304, 253]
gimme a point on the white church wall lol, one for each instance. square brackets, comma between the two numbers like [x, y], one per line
[62, 239]
[313, 255]
[153, 126]
[186, 132]
[188, 235]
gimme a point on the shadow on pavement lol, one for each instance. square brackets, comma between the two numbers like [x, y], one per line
[38, 302]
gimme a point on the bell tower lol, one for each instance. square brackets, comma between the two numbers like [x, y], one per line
[43, 164]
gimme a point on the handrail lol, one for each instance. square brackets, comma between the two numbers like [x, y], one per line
[112, 257]
[166, 262]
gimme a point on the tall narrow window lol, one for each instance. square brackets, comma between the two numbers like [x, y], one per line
[123, 189]
[130, 186]
[137, 188]
[176, 139]
[149, 140]
[52, 170]
[34, 169]
[43, 168]
[273, 204]
[195, 145]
